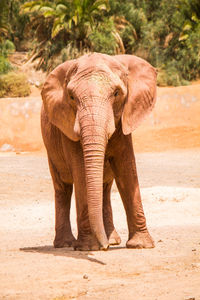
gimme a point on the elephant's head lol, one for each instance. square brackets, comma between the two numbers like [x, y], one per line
[86, 99]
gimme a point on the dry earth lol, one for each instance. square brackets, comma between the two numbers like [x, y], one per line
[168, 160]
[32, 269]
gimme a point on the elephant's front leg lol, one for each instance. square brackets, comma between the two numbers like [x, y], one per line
[64, 236]
[124, 168]
[113, 237]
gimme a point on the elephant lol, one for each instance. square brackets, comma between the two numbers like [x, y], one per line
[90, 107]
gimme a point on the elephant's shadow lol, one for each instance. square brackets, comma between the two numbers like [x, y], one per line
[66, 252]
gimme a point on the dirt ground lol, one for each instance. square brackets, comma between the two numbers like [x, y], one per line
[32, 269]
[168, 160]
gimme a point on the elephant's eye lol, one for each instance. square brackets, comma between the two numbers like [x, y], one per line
[71, 97]
[116, 93]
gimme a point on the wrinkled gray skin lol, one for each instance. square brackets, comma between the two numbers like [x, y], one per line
[90, 107]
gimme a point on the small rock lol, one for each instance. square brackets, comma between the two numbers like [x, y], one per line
[37, 83]
[85, 276]
[196, 265]
[160, 241]
[194, 249]
[31, 81]
[7, 147]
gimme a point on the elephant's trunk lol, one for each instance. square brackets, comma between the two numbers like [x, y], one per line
[94, 143]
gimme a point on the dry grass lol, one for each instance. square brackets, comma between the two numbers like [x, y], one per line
[14, 85]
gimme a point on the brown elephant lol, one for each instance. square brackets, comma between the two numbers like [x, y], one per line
[90, 107]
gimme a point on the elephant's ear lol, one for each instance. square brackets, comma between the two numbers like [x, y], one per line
[56, 100]
[141, 91]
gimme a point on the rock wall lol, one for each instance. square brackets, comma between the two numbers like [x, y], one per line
[20, 124]
[174, 122]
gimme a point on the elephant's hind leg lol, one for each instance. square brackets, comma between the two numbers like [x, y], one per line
[63, 193]
[113, 237]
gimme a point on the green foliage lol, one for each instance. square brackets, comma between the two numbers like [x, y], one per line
[14, 85]
[68, 15]
[168, 76]
[166, 33]
[103, 39]
[12, 22]
[6, 48]
[18, 22]
[4, 11]
[65, 24]
[130, 22]
[8, 32]
[5, 65]
[163, 32]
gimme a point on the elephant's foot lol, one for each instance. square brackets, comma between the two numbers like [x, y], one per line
[64, 242]
[87, 243]
[140, 239]
[114, 238]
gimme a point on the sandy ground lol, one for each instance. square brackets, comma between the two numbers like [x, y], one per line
[30, 268]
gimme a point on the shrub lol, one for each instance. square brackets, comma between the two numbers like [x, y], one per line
[14, 85]
[5, 65]
[6, 48]
[102, 38]
[169, 75]
[170, 78]
[67, 53]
